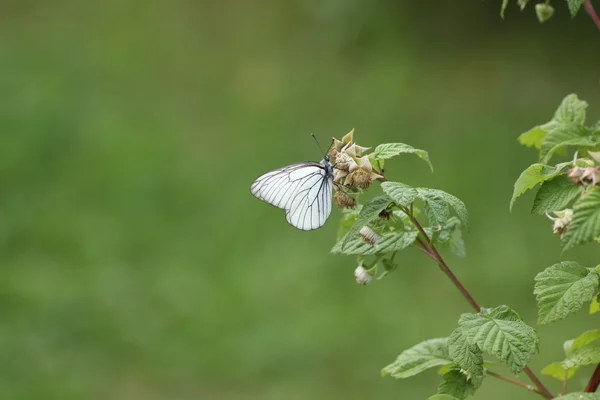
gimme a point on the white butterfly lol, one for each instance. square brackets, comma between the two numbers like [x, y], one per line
[303, 190]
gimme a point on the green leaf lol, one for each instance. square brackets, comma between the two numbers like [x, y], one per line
[559, 140]
[587, 355]
[555, 195]
[386, 243]
[421, 357]
[389, 150]
[368, 213]
[522, 3]
[585, 225]
[456, 384]
[562, 289]
[583, 340]
[533, 175]
[574, 6]
[402, 194]
[533, 137]
[501, 332]
[594, 306]
[437, 207]
[544, 11]
[441, 397]
[347, 220]
[504, 5]
[467, 356]
[557, 371]
[580, 396]
[567, 123]
[451, 236]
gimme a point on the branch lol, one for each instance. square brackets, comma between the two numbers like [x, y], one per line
[435, 255]
[592, 385]
[514, 382]
[589, 8]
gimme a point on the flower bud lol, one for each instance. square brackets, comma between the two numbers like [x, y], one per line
[591, 175]
[343, 200]
[575, 174]
[562, 221]
[343, 161]
[360, 179]
[368, 235]
[362, 276]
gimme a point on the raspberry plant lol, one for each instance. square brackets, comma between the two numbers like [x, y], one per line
[431, 220]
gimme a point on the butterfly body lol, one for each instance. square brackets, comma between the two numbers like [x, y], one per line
[303, 190]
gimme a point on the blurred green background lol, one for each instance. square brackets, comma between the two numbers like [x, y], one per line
[135, 264]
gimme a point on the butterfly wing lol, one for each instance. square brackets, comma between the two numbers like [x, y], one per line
[303, 190]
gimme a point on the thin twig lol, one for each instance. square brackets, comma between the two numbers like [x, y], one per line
[531, 388]
[592, 385]
[589, 8]
[564, 382]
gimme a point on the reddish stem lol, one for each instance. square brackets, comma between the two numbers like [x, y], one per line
[430, 248]
[589, 8]
[592, 385]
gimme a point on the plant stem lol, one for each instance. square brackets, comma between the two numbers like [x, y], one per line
[592, 385]
[589, 8]
[435, 255]
[514, 381]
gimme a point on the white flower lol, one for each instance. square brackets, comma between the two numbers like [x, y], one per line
[362, 276]
[562, 220]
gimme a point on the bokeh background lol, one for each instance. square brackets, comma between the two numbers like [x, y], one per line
[135, 264]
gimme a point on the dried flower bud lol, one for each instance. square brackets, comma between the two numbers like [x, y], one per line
[368, 235]
[575, 174]
[359, 179]
[591, 175]
[343, 161]
[562, 220]
[385, 215]
[362, 275]
[343, 200]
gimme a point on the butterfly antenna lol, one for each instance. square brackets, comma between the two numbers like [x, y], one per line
[319, 144]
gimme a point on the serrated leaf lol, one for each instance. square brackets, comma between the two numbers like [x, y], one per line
[559, 140]
[554, 195]
[456, 384]
[532, 176]
[501, 332]
[585, 226]
[389, 150]
[421, 357]
[467, 356]
[580, 396]
[567, 123]
[451, 236]
[368, 213]
[402, 194]
[562, 289]
[587, 355]
[574, 6]
[503, 8]
[533, 137]
[557, 371]
[386, 243]
[437, 207]
[442, 397]
[583, 340]
[594, 306]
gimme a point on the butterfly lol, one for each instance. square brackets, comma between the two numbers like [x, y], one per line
[303, 190]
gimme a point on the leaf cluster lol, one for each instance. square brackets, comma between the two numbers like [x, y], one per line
[498, 332]
[543, 10]
[561, 185]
